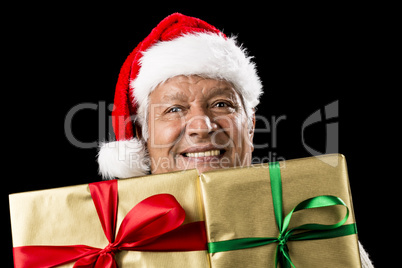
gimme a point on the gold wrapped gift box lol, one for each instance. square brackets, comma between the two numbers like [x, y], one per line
[235, 203]
[67, 216]
[238, 204]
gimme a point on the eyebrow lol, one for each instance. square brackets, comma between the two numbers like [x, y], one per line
[180, 96]
[220, 91]
[176, 96]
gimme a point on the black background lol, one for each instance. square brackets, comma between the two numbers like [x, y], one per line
[307, 57]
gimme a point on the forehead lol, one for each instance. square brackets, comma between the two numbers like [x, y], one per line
[187, 88]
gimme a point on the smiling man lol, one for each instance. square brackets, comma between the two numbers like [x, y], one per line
[202, 121]
[185, 99]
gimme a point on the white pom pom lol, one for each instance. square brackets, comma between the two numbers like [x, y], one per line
[123, 159]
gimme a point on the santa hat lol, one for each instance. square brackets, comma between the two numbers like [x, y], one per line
[178, 45]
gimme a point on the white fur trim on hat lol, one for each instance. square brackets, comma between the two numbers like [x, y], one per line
[123, 159]
[205, 54]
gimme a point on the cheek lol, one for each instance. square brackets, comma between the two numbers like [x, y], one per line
[163, 135]
[234, 126]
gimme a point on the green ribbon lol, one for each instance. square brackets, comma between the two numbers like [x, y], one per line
[311, 231]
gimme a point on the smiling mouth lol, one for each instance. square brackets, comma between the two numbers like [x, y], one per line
[204, 154]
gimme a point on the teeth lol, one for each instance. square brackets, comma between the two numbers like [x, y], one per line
[202, 154]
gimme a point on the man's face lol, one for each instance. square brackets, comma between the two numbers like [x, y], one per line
[196, 122]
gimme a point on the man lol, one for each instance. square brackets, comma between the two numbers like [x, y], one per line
[185, 98]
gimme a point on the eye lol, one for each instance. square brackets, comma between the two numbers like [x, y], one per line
[174, 109]
[221, 104]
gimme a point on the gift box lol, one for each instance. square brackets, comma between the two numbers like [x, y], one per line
[151, 221]
[297, 213]
[243, 211]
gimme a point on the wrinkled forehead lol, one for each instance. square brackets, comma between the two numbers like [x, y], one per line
[189, 88]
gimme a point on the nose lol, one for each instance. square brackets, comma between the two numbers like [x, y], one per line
[200, 125]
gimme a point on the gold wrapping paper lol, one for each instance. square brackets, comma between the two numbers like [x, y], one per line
[67, 216]
[238, 204]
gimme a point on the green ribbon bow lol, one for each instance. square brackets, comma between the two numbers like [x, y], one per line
[313, 230]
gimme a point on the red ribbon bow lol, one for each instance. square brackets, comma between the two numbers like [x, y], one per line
[154, 224]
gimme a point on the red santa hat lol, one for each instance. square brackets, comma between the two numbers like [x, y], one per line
[178, 45]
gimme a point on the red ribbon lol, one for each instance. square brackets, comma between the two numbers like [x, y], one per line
[154, 224]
